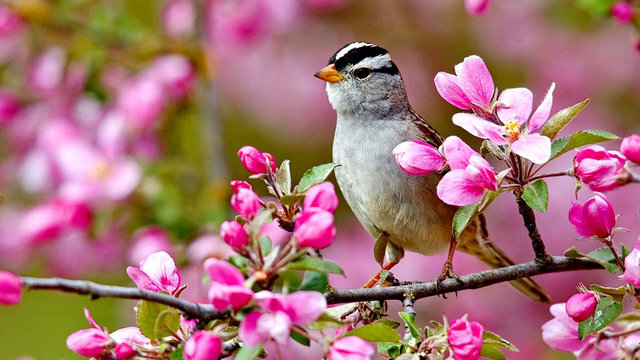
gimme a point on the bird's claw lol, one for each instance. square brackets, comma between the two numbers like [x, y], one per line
[447, 273]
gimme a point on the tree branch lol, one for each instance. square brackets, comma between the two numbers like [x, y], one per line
[471, 281]
[203, 312]
[529, 218]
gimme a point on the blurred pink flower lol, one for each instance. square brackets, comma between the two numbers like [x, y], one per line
[595, 218]
[89, 342]
[46, 221]
[130, 334]
[202, 345]
[206, 246]
[622, 11]
[240, 184]
[9, 106]
[314, 228]
[598, 168]
[470, 174]
[324, 5]
[476, 7]
[142, 99]
[10, 288]
[124, 351]
[418, 158]
[179, 18]
[234, 234]
[175, 73]
[10, 22]
[321, 196]
[630, 148]
[148, 240]
[605, 349]
[632, 266]
[350, 348]
[465, 339]
[246, 202]
[514, 108]
[581, 306]
[46, 73]
[157, 273]
[281, 312]
[277, 234]
[227, 285]
[256, 162]
[470, 89]
[561, 333]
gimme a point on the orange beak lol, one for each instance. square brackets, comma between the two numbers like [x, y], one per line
[329, 74]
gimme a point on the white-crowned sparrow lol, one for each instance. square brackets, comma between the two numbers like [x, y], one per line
[402, 211]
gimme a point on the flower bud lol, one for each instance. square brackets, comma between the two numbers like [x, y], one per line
[246, 202]
[239, 184]
[595, 218]
[581, 306]
[622, 11]
[476, 7]
[227, 285]
[350, 347]
[176, 73]
[630, 148]
[10, 288]
[255, 161]
[322, 196]
[234, 234]
[598, 168]
[124, 351]
[418, 158]
[314, 228]
[465, 339]
[632, 266]
[88, 342]
[202, 345]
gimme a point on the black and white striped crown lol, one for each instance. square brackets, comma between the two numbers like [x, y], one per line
[359, 54]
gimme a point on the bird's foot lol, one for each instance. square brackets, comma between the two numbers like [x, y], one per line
[447, 273]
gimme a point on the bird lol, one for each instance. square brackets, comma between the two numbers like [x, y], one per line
[401, 211]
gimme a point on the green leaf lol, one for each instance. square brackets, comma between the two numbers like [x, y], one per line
[628, 319]
[176, 355]
[580, 138]
[291, 199]
[492, 353]
[392, 349]
[600, 8]
[239, 261]
[325, 321]
[315, 264]
[572, 252]
[537, 195]
[375, 332]
[314, 281]
[299, 338]
[380, 247]
[155, 320]
[315, 175]
[604, 257]
[624, 252]
[495, 340]
[265, 245]
[616, 293]
[606, 311]
[283, 177]
[465, 214]
[561, 119]
[247, 353]
[410, 320]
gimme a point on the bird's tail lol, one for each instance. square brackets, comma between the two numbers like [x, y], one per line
[475, 241]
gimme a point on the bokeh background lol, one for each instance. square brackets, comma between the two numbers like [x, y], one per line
[120, 120]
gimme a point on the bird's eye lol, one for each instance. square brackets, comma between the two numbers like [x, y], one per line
[362, 73]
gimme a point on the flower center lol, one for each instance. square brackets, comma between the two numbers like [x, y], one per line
[100, 170]
[512, 129]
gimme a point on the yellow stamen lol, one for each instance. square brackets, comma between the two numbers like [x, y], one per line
[100, 170]
[512, 128]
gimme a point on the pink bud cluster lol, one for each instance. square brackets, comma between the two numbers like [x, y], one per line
[465, 338]
[314, 227]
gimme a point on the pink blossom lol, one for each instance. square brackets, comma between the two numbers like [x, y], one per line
[46, 221]
[157, 273]
[581, 306]
[142, 99]
[89, 342]
[130, 334]
[476, 7]
[605, 349]
[202, 345]
[255, 161]
[632, 266]
[47, 71]
[246, 202]
[598, 168]
[465, 339]
[350, 348]
[124, 351]
[514, 108]
[470, 89]
[321, 196]
[227, 285]
[179, 18]
[205, 246]
[10, 22]
[233, 233]
[281, 312]
[622, 11]
[277, 234]
[595, 218]
[561, 333]
[314, 228]
[10, 288]
[418, 158]
[470, 174]
[148, 240]
[9, 106]
[239, 184]
[175, 73]
[630, 148]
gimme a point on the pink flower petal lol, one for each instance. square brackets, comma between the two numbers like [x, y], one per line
[161, 268]
[88, 342]
[456, 188]
[577, 221]
[223, 272]
[475, 80]
[248, 330]
[93, 323]
[123, 178]
[418, 158]
[534, 147]
[130, 334]
[480, 127]
[447, 86]
[142, 280]
[516, 104]
[304, 306]
[541, 115]
[457, 152]
[632, 275]
[277, 325]
[561, 333]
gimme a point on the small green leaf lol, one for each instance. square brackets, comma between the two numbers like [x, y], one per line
[176, 355]
[314, 281]
[410, 320]
[390, 323]
[606, 311]
[375, 332]
[255, 226]
[325, 321]
[315, 175]
[600, 8]
[155, 320]
[167, 323]
[604, 257]
[572, 252]
[283, 177]
[465, 215]
[380, 247]
[628, 319]
[561, 119]
[392, 349]
[537, 195]
[624, 252]
[495, 340]
[315, 264]
[239, 261]
[616, 293]
[265, 245]
[299, 338]
[291, 199]
[492, 353]
[580, 138]
[248, 353]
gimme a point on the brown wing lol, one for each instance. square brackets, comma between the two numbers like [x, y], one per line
[430, 134]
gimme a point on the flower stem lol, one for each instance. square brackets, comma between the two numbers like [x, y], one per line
[609, 242]
[561, 173]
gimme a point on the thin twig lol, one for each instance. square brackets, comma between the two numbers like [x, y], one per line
[529, 218]
[532, 179]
